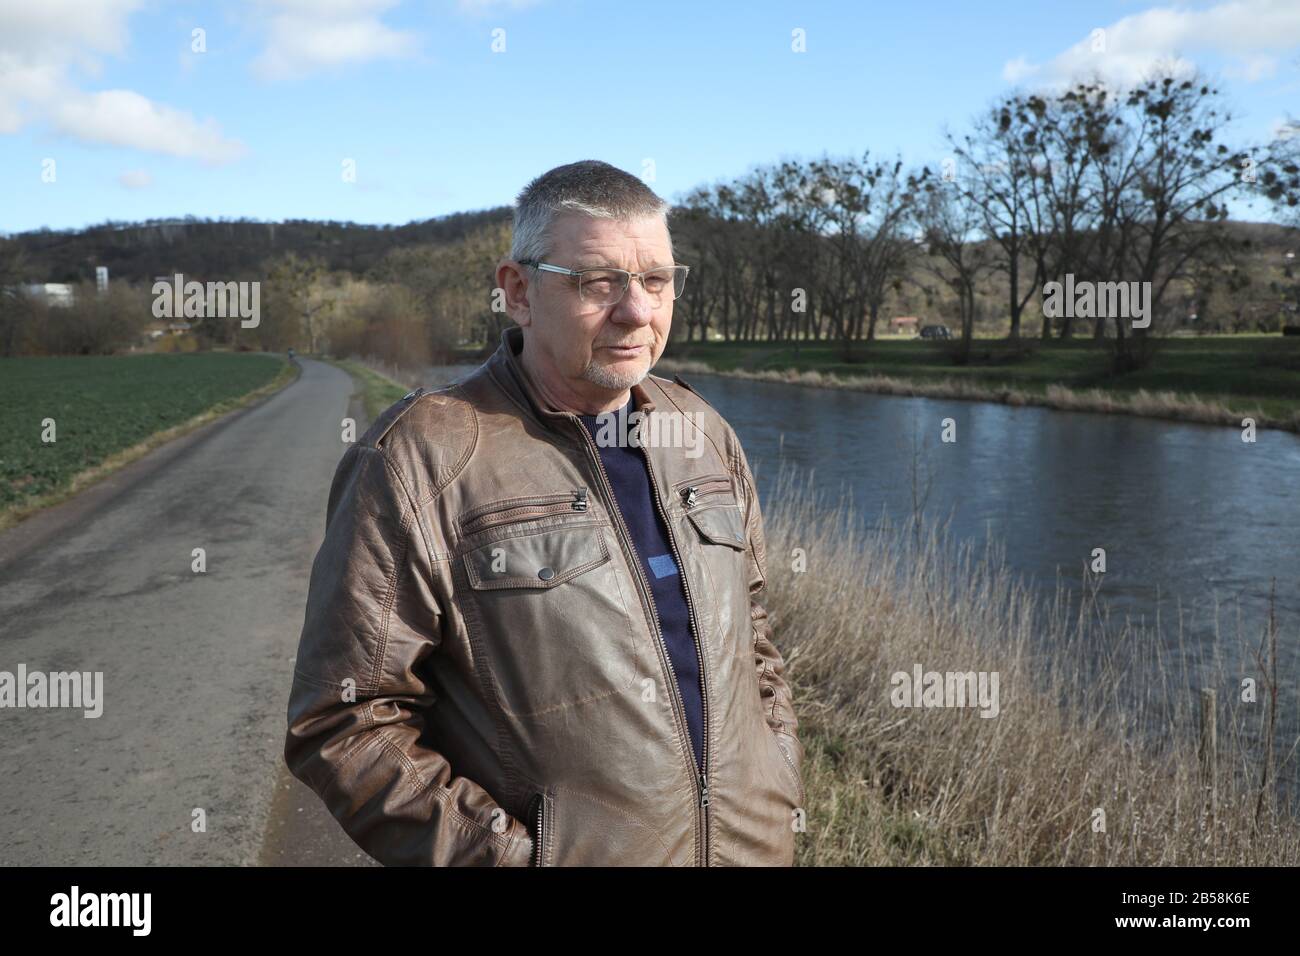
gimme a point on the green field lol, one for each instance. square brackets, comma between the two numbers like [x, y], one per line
[102, 406]
[1240, 370]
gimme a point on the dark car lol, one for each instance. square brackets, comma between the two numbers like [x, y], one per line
[935, 332]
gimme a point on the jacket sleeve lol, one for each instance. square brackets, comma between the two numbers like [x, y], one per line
[777, 699]
[358, 704]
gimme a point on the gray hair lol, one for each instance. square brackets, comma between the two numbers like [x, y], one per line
[591, 188]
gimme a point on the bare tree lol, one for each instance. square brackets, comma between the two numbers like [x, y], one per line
[1001, 177]
[950, 222]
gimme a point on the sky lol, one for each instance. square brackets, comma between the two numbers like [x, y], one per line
[380, 111]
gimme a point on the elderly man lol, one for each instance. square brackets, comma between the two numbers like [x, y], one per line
[533, 638]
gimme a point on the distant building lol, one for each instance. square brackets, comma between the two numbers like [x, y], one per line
[101, 278]
[51, 293]
[903, 323]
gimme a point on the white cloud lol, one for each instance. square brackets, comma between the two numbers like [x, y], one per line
[124, 118]
[42, 44]
[1245, 31]
[308, 35]
[1016, 70]
[136, 179]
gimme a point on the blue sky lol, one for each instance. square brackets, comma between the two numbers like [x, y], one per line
[140, 125]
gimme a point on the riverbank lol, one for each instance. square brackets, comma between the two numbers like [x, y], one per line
[107, 411]
[1215, 380]
[1089, 756]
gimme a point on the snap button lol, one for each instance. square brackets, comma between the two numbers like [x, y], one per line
[546, 574]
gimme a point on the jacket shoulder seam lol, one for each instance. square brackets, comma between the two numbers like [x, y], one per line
[397, 463]
[469, 449]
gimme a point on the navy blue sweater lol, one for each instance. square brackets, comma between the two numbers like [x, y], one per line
[628, 474]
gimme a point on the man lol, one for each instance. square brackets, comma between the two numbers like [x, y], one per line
[526, 643]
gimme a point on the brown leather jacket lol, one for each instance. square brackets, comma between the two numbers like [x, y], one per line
[456, 703]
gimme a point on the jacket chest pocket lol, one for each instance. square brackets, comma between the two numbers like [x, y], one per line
[717, 527]
[548, 618]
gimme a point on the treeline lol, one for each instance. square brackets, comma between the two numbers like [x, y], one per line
[1106, 186]
[415, 304]
[227, 248]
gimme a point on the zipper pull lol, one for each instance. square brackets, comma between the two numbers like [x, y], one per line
[704, 790]
[688, 496]
[580, 500]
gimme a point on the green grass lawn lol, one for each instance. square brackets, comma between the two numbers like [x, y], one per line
[1240, 370]
[104, 405]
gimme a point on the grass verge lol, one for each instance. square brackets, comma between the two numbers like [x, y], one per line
[375, 390]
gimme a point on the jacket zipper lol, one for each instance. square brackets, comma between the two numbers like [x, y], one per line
[524, 509]
[701, 488]
[536, 811]
[803, 796]
[699, 651]
[700, 778]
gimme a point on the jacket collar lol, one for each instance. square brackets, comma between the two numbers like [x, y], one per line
[509, 371]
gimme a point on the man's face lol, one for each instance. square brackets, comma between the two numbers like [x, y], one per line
[592, 351]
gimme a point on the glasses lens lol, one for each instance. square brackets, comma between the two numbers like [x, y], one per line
[657, 281]
[602, 287]
[679, 280]
[669, 280]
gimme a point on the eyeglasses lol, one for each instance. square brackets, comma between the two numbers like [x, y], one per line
[604, 287]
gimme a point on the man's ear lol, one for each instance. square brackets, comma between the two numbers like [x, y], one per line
[512, 280]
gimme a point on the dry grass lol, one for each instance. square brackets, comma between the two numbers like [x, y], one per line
[1093, 715]
[1168, 405]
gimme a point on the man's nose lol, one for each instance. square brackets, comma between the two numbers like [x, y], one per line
[636, 306]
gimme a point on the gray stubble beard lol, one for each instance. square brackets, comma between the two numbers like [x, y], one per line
[605, 377]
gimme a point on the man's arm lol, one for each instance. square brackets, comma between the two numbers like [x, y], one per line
[778, 702]
[358, 704]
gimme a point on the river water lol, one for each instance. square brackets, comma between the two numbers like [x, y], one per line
[1184, 512]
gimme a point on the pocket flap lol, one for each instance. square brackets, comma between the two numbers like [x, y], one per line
[540, 560]
[722, 525]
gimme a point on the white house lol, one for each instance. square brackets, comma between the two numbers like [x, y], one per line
[53, 293]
